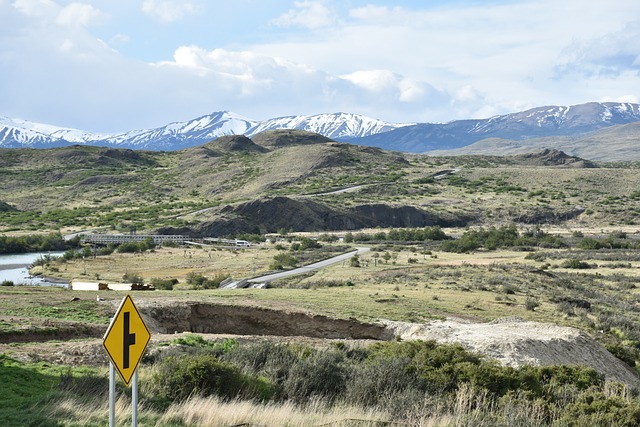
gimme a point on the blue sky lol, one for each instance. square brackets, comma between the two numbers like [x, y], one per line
[117, 65]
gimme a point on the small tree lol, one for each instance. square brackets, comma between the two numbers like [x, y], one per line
[354, 261]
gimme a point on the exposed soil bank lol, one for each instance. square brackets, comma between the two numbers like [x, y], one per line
[511, 341]
[240, 320]
[34, 330]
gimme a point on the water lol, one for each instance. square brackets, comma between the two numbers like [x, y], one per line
[14, 267]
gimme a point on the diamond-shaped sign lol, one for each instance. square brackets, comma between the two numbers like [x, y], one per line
[126, 339]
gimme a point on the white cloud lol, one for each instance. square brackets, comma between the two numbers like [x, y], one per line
[633, 99]
[167, 11]
[424, 64]
[307, 14]
[36, 8]
[80, 14]
[391, 84]
[609, 54]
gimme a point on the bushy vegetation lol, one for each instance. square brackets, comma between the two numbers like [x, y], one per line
[178, 378]
[163, 284]
[404, 379]
[36, 243]
[199, 281]
[399, 235]
[502, 237]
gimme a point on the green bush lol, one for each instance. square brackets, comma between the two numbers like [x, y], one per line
[354, 261]
[306, 243]
[322, 375]
[164, 284]
[270, 360]
[531, 303]
[626, 354]
[199, 281]
[597, 409]
[576, 263]
[283, 260]
[178, 378]
[36, 243]
[377, 379]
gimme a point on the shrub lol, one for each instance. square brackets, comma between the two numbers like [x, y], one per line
[270, 360]
[164, 284]
[307, 243]
[283, 260]
[576, 263]
[378, 379]
[354, 261]
[7, 283]
[178, 378]
[589, 243]
[321, 375]
[199, 281]
[624, 353]
[597, 409]
[531, 303]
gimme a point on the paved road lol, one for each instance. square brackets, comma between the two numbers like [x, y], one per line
[308, 268]
[344, 190]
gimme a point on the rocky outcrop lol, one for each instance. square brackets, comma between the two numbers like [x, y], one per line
[550, 157]
[235, 143]
[288, 137]
[6, 207]
[270, 215]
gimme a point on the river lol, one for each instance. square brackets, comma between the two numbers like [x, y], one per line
[14, 267]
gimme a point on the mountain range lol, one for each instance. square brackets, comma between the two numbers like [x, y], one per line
[533, 124]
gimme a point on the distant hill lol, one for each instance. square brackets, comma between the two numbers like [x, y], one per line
[614, 143]
[524, 126]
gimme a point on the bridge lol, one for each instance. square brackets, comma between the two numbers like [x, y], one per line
[106, 239]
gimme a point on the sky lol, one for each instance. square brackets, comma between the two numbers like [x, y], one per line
[117, 65]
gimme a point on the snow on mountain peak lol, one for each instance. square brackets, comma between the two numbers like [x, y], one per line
[331, 125]
[541, 121]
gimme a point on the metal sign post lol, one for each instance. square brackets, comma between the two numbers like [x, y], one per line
[125, 342]
[112, 395]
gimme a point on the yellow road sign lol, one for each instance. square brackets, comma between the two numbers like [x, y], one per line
[126, 339]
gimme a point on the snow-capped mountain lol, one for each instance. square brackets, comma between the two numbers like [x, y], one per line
[15, 133]
[533, 123]
[340, 126]
[182, 134]
[343, 126]
[357, 129]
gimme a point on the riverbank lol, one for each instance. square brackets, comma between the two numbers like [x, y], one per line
[15, 268]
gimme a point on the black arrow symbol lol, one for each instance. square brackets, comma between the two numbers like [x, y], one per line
[129, 340]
